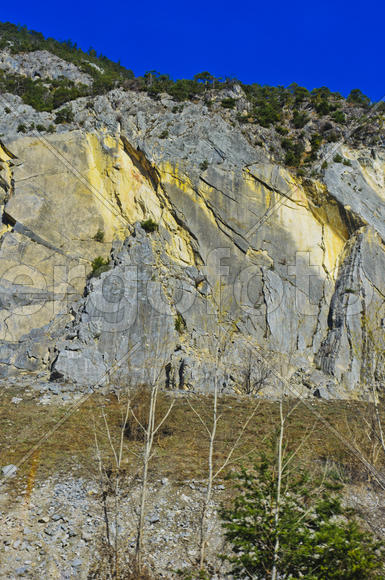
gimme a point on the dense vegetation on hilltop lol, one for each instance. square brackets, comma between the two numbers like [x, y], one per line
[46, 96]
[267, 102]
[18, 39]
[302, 120]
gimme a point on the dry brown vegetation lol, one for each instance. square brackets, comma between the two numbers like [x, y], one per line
[181, 445]
[104, 440]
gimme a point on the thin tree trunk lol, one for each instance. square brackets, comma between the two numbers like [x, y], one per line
[378, 417]
[278, 496]
[149, 438]
[206, 503]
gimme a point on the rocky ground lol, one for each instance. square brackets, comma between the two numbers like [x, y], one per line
[54, 526]
[52, 510]
[56, 529]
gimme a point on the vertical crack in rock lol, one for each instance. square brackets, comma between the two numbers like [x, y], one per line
[196, 213]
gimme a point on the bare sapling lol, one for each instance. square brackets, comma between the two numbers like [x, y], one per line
[213, 471]
[110, 483]
[150, 430]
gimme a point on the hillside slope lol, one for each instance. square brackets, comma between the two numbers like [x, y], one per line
[241, 247]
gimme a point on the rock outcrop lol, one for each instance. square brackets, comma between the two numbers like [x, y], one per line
[42, 64]
[221, 262]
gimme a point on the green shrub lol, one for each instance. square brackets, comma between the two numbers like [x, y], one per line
[339, 116]
[65, 115]
[267, 114]
[281, 130]
[183, 89]
[204, 165]
[99, 236]
[21, 128]
[51, 129]
[299, 119]
[40, 128]
[357, 97]
[294, 150]
[332, 137]
[315, 142]
[314, 537]
[164, 134]
[37, 95]
[192, 574]
[347, 162]
[323, 107]
[300, 93]
[149, 225]
[228, 103]
[291, 159]
[99, 265]
[180, 323]
[7, 110]
[206, 78]
[338, 158]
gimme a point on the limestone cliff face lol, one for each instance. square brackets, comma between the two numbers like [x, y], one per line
[271, 270]
[41, 64]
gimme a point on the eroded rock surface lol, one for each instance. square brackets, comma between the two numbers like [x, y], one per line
[240, 265]
[42, 64]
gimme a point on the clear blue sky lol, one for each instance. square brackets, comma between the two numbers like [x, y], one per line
[337, 43]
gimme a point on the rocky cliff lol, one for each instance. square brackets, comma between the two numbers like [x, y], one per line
[218, 261]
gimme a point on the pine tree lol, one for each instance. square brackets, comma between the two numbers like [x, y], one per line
[317, 537]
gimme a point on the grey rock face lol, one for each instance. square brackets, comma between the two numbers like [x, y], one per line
[360, 187]
[352, 349]
[125, 324]
[42, 64]
[250, 276]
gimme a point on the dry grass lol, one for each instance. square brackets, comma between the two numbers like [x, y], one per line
[106, 567]
[138, 418]
[181, 447]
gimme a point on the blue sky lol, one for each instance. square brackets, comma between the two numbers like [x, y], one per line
[336, 43]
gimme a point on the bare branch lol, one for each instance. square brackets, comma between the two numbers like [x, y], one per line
[199, 416]
[237, 441]
[109, 437]
[164, 418]
[137, 420]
